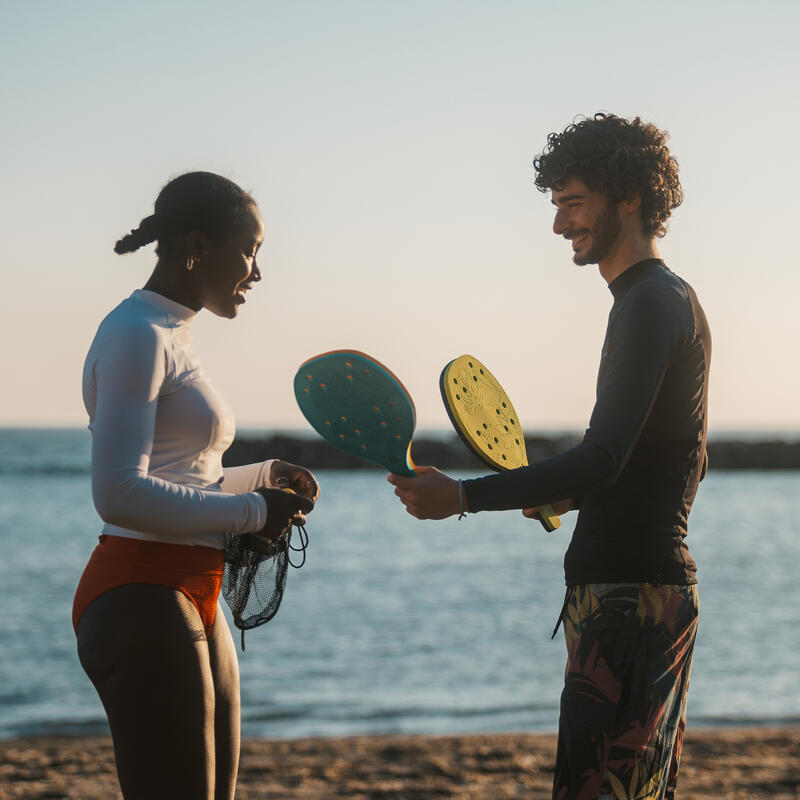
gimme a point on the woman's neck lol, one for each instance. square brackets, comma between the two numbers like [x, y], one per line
[170, 280]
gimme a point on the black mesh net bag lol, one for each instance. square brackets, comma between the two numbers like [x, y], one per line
[256, 569]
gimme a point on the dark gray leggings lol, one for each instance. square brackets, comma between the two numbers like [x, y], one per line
[171, 693]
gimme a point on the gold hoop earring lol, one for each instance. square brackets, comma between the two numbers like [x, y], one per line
[189, 264]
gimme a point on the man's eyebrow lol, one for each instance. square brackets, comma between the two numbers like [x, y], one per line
[566, 199]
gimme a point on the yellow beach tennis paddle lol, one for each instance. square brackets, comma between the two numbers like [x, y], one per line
[485, 419]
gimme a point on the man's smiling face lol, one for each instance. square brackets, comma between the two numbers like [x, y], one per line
[588, 219]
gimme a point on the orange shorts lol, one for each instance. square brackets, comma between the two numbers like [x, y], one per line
[117, 561]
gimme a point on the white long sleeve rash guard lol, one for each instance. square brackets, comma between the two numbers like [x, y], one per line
[159, 430]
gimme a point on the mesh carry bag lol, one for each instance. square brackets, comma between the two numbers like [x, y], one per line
[255, 576]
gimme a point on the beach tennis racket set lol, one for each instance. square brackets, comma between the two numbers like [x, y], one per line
[360, 406]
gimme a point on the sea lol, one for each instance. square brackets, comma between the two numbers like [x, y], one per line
[399, 626]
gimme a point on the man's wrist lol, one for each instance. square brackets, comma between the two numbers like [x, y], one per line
[462, 501]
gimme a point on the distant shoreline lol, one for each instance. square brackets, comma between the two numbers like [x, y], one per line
[727, 449]
[448, 452]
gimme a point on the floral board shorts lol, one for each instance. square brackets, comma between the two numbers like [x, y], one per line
[623, 708]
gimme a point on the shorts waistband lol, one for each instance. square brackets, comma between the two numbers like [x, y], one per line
[188, 558]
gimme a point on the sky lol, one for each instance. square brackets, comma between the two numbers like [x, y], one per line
[390, 147]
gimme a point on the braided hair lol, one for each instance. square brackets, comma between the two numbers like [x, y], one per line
[195, 201]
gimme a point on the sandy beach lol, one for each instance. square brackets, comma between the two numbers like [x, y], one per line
[730, 763]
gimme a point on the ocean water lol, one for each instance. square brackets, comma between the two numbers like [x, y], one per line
[395, 625]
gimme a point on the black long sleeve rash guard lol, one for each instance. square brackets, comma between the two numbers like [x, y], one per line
[637, 469]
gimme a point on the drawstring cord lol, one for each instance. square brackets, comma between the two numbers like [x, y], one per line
[567, 597]
[301, 529]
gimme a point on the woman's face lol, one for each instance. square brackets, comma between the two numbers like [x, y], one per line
[226, 270]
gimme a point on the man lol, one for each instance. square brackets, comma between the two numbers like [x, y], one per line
[630, 614]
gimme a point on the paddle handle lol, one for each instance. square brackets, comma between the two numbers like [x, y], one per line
[549, 519]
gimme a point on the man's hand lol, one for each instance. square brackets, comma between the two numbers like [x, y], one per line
[560, 507]
[431, 495]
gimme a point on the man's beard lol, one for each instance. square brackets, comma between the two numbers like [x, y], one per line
[604, 235]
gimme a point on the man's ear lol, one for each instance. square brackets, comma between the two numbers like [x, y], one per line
[631, 203]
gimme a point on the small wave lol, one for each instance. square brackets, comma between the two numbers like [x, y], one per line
[743, 721]
[49, 470]
[345, 713]
[281, 714]
[64, 727]
[456, 712]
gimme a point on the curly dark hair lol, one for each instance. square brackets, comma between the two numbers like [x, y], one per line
[619, 158]
[195, 201]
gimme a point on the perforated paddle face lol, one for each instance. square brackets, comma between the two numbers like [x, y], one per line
[485, 419]
[359, 405]
[482, 413]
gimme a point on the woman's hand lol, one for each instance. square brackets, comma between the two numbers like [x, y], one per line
[291, 494]
[431, 495]
[289, 476]
[284, 509]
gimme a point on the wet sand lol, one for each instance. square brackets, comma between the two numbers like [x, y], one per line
[729, 763]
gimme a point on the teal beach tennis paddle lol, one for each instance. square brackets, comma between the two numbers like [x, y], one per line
[360, 406]
[485, 420]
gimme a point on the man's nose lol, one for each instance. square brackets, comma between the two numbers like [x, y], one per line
[560, 223]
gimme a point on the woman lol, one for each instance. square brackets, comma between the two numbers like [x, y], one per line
[149, 635]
